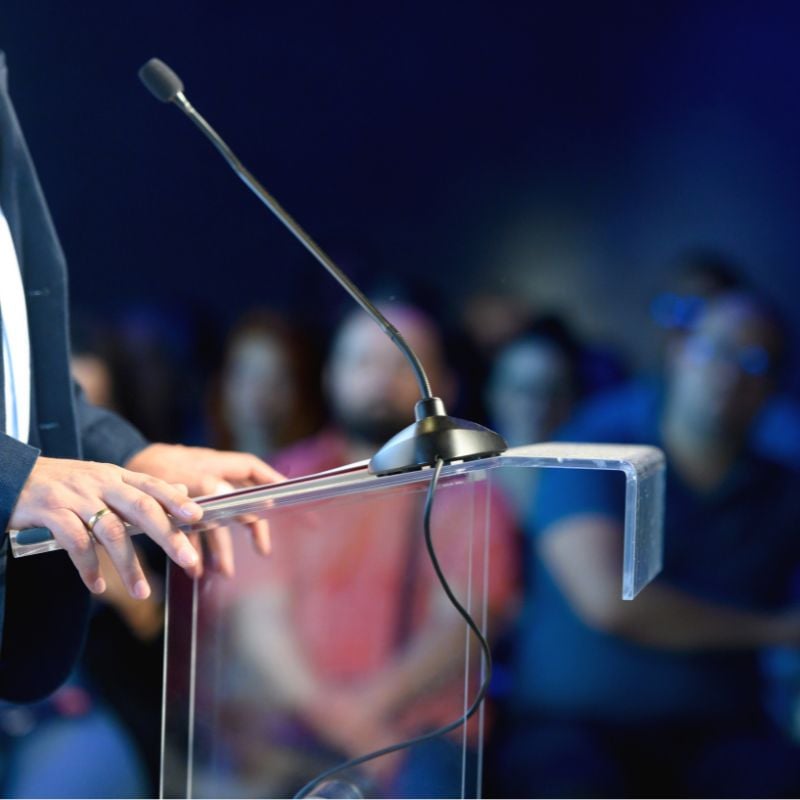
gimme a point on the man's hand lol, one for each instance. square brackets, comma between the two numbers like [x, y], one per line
[206, 472]
[62, 495]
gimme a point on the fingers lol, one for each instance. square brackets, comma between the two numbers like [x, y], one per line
[261, 472]
[71, 533]
[210, 485]
[146, 512]
[261, 538]
[64, 495]
[252, 470]
[244, 468]
[145, 501]
[153, 505]
[218, 539]
[110, 531]
[220, 548]
[169, 495]
[173, 499]
[195, 537]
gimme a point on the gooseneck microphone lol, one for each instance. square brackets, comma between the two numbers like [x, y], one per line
[434, 435]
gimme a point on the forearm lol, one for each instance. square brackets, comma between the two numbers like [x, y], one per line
[584, 556]
[104, 435]
[668, 618]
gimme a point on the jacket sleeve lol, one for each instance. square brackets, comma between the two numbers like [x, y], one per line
[16, 462]
[43, 622]
[104, 435]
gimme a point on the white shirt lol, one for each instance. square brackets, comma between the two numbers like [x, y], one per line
[16, 344]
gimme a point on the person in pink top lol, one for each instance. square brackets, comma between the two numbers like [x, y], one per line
[349, 626]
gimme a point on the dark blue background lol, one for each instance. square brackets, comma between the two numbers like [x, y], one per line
[566, 151]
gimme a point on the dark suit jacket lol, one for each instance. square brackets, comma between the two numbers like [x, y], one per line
[43, 603]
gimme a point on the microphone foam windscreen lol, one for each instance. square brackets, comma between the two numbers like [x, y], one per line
[160, 80]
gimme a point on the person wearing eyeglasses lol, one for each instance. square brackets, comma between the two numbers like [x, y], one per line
[662, 696]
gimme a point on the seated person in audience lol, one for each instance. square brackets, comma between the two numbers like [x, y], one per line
[268, 393]
[663, 695]
[346, 628]
[534, 384]
[694, 279]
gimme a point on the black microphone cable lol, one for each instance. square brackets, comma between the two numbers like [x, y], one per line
[479, 697]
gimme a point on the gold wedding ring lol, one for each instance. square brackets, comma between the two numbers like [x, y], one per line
[96, 517]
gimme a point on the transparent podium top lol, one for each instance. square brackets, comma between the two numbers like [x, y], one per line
[643, 466]
[342, 640]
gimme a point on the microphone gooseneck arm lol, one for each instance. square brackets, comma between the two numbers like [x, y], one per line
[434, 435]
[433, 440]
[252, 183]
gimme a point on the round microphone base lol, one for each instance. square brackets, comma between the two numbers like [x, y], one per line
[435, 435]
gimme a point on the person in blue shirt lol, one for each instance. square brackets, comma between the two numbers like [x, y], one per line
[663, 696]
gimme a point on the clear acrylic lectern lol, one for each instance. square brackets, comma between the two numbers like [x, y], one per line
[342, 641]
[269, 675]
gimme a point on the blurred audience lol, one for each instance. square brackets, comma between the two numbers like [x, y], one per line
[663, 696]
[138, 368]
[491, 317]
[534, 384]
[696, 278]
[484, 320]
[95, 361]
[70, 745]
[268, 394]
[352, 638]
